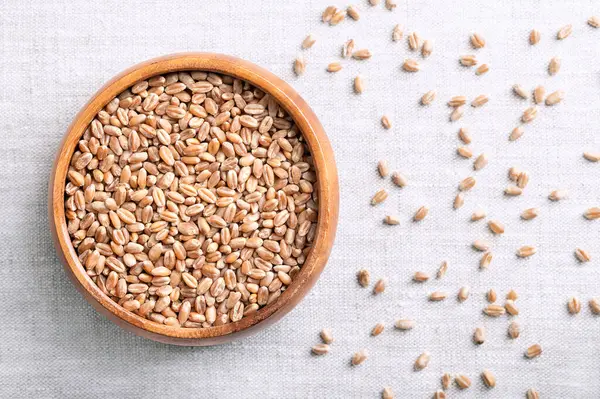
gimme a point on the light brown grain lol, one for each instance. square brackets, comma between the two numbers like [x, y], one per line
[479, 335]
[534, 37]
[564, 32]
[477, 41]
[555, 97]
[526, 251]
[533, 351]
[421, 213]
[485, 260]
[411, 65]
[422, 361]
[364, 277]
[379, 286]
[379, 197]
[462, 381]
[378, 329]
[554, 66]
[582, 255]
[428, 97]
[359, 357]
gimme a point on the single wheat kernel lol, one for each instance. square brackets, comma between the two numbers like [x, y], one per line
[464, 136]
[358, 84]
[479, 336]
[383, 168]
[467, 183]
[352, 12]
[479, 101]
[494, 310]
[529, 114]
[513, 173]
[482, 69]
[348, 48]
[378, 329]
[446, 380]
[513, 190]
[442, 270]
[338, 17]
[385, 122]
[379, 286]
[594, 22]
[387, 393]
[422, 361]
[520, 91]
[511, 308]
[457, 101]
[326, 336]
[512, 295]
[554, 66]
[523, 180]
[477, 41]
[534, 37]
[420, 277]
[299, 66]
[481, 162]
[405, 324]
[514, 330]
[573, 305]
[538, 94]
[421, 213]
[516, 133]
[592, 213]
[414, 41]
[439, 394]
[399, 179]
[564, 32]
[468, 60]
[496, 227]
[555, 98]
[391, 220]
[463, 294]
[374, 2]
[308, 42]
[478, 214]
[427, 48]
[462, 381]
[488, 379]
[364, 277]
[397, 33]
[411, 65]
[592, 156]
[464, 152]
[320, 349]
[457, 113]
[526, 251]
[362, 54]
[595, 305]
[334, 67]
[532, 394]
[359, 357]
[328, 13]
[459, 200]
[533, 351]
[582, 255]
[481, 245]
[491, 295]
[379, 197]
[390, 4]
[428, 97]
[557, 195]
[485, 260]
[437, 296]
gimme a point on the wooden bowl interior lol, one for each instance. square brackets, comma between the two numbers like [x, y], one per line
[327, 188]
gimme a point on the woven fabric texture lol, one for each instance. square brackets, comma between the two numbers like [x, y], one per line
[55, 54]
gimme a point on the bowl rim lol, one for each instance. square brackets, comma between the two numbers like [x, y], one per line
[327, 188]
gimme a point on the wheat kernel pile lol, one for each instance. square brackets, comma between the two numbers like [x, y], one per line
[191, 199]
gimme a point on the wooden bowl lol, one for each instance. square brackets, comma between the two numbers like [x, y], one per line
[327, 186]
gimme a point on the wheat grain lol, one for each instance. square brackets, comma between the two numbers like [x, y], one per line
[496, 227]
[555, 97]
[387, 393]
[462, 381]
[554, 66]
[404, 324]
[464, 136]
[468, 60]
[359, 357]
[573, 305]
[485, 260]
[348, 48]
[308, 42]
[328, 13]
[338, 17]
[391, 220]
[595, 306]
[478, 214]
[421, 213]
[334, 67]
[459, 200]
[414, 41]
[526, 251]
[397, 33]
[364, 277]
[439, 394]
[428, 97]
[481, 162]
[482, 69]
[378, 329]
[411, 65]
[513, 190]
[477, 41]
[582, 255]
[530, 213]
[352, 12]
[420, 277]
[511, 308]
[564, 32]
[457, 101]
[399, 179]
[592, 213]
[299, 66]
[437, 296]
[379, 197]
[464, 152]
[362, 54]
[479, 336]
[463, 294]
[479, 101]
[383, 168]
[594, 22]
[529, 114]
[446, 380]
[494, 310]
[592, 156]
[442, 270]
[326, 336]
[532, 394]
[319, 349]
[481, 245]
[379, 286]
[557, 195]
[534, 37]
[422, 361]
[538, 94]
[533, 351]
[427, 48]
[520, 91]
[523, 180]
[514, 330]
[390, 4]
[385, 122]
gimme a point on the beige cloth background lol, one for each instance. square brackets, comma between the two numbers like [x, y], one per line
[56, 54]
